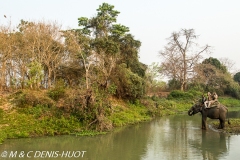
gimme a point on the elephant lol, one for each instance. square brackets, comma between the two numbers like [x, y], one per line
[218, 112]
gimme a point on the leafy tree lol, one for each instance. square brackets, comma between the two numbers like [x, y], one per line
[214, 76]
[180, 55]
[104, 48]
[110, 44]
[236, 77]
[94, 54]
[35, 74]
[215, 62]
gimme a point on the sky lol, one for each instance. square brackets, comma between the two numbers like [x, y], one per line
[216, 22]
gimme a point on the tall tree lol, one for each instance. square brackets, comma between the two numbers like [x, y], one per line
[180, 55]
[104, 48]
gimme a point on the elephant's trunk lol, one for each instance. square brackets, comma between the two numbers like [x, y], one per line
[190, 112]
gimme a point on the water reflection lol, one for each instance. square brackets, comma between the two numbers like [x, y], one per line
[212, 146]
[172, 137]
[126, 143]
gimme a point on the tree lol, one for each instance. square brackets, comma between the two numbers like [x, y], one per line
[7, 48]
[97, 55]
[104, 48]
[180, 55]
[213, 75]
[215, 62]
[35, 74]
[42, 42]
[110, 44]
[236, 77]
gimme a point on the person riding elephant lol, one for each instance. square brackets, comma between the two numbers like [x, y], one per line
[214, 99]
[220, 112]
[211, 99]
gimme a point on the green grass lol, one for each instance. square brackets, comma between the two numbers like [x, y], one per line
[233, 128]
[229, 101]
[129, 115]
[22, 124]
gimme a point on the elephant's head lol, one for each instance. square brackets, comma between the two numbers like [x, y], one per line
[195, 109]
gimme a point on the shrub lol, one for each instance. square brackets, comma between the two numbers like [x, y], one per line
[58, 91]
[26, 98]
[181, 95]
[177, 94]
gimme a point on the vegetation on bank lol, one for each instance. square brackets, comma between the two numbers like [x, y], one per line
[33, 113]
[29, 113]
[232, 128]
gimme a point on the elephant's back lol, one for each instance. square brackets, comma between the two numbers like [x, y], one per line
[223, 107]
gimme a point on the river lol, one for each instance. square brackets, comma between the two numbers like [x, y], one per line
[170, 137]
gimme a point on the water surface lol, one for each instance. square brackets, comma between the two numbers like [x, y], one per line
[170, 138]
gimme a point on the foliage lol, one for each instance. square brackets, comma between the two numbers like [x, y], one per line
[229, 101]
[215, 62]
[232, 128]
[189, 95]
[236, 77]
[35, 74]
[31, 98]
[174, 84]
[130, 85]
[233, 89]
[213, 76]
[133, 114]
[58, 91]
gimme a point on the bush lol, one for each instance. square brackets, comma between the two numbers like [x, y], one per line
[233, 90]
[130, 86]
[26, 98]
[177, 94]
[181, 95]
[58, 91]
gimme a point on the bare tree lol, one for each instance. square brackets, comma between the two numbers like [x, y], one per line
[7, 47]
[180, 55]
[43, 43]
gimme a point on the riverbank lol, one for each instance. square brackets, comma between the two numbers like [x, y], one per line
[232, 128]
[42, 120]
[19, 119]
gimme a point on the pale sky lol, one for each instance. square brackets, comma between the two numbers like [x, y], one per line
[217, 22]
